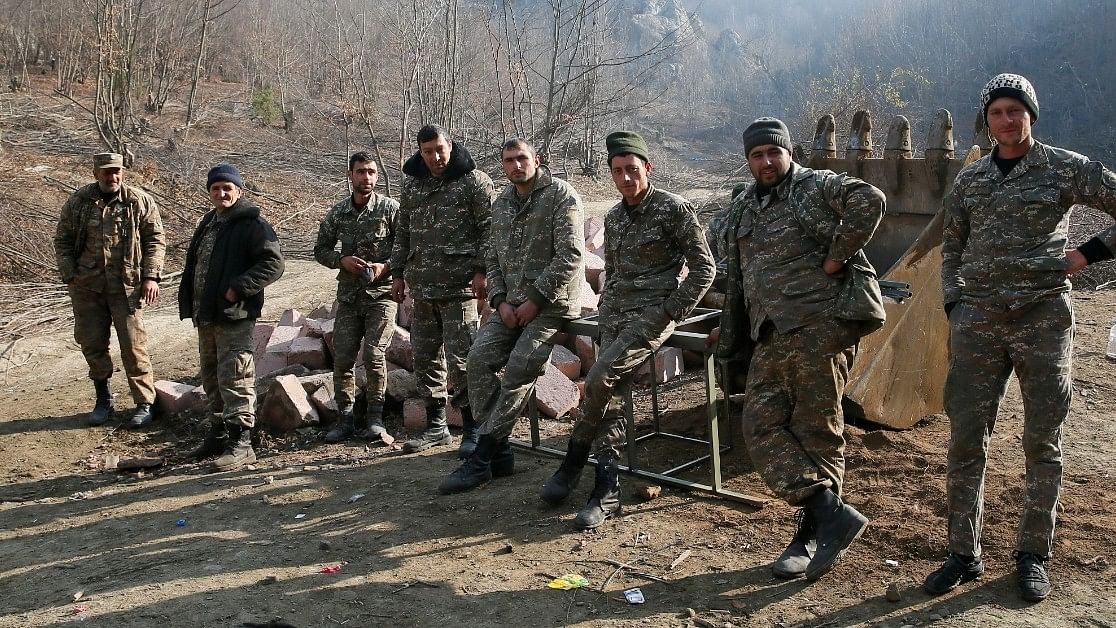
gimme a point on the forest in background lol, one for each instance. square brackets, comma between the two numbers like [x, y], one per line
[562, 73]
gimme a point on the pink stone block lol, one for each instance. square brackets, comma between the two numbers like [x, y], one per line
[281, 339]
[667, 363]
[324, 404]
[399, 349]
[175, 397]
[555, 394]
[309, 352]
[311, 328]
[594, 270]
[321, 313]
[586, 352]
[291, 318]
[566, 361]
[287, 406]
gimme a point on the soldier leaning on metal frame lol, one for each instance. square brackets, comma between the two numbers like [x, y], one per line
[233, 255]
[439, 254]
[110, 245]
[1005, 282]
[649, 235]
[535, 256]
[364, 224]
[800, 294]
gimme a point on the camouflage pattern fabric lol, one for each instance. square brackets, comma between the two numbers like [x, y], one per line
[645, 248]
[110, 246]
[627, 340]
[228, 371]
[498, 399]
[95, 314]
[535, 252]
[793, 423]
[985, 346]
[366, 232]
[785, 310]
[442, 331]
[367, 319]
[1004, 264]
[1005, 236]
[536, 246]
[782, 241]
[205, 252]
[440, 234]
[104, 250]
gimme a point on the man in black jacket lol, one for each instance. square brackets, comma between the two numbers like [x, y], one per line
[233, 256]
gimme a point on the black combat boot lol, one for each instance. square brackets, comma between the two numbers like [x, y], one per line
[473, 472]
[955, 570]
[604, 501]
[503, 461]
[375, 430]
[102, 411]
[436, 433]
[469, 434]
[238, 452]
[565, 479]
[793, 561]
[215, 443]
[143, 415]
[838, 525]
[345, 426]
[1034, 585]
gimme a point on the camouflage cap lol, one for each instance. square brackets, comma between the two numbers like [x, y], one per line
[108, 160]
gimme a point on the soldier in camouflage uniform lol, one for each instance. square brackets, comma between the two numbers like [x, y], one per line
[364, 223]
[233, 255]
[1006, 290]
[439, 254]
[649, 235]
[800, 294]
[110, 246]
[534, 263]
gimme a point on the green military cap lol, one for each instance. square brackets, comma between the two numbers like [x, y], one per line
[108, 160]
[626, 142]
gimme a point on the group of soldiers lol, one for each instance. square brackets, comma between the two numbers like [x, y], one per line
[800, 295]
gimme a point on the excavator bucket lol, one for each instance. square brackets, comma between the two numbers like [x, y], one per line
[899, 372]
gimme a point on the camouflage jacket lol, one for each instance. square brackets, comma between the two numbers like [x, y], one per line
[366, 233]
[442, 227]
[535, 249]
[645, 249]
[109, 247]
[1005, 237]
[775, 268]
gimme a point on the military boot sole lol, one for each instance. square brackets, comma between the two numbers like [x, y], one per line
[457, 484]
[137, 422]
[855, 526]
[415, 446]
[236, 463]
[338, 435]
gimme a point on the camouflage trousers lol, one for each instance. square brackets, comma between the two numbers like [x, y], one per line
[985, 347]
[95, 314]
[442, 331]
[626, 341]
[793, 422]
[523, 353]
[228, 371]
[368, 322]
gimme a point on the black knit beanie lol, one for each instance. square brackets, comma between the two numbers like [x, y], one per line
[224, 173]
[767, 131]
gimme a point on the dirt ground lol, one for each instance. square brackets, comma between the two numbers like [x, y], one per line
[80, 544]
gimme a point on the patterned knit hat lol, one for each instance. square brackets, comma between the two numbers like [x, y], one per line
[1012, 86]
